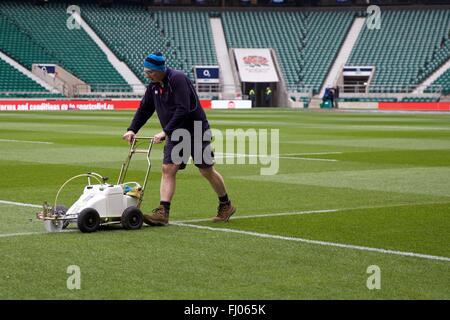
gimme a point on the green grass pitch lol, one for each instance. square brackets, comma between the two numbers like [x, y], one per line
[347, 183]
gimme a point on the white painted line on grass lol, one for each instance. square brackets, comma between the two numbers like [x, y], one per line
[19, 234]
[293, 213]
[20, 204]
[317, 242]
[264, 235]
[290, 213]
[6, 235]
[26, 141]
[310, 153]
[240, 155]
[309, 159]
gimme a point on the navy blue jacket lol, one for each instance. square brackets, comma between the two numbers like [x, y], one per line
[176, 104]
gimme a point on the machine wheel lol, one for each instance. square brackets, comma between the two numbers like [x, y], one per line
[88, 220]
[132, 218]
[61, 210]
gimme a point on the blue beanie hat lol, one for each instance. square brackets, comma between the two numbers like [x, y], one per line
[155, 61]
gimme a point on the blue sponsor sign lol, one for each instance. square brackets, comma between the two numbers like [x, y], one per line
[49, 69]
[207, 74]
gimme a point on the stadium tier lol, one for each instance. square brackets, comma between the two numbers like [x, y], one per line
[190, 32]
[406, 50]
[410, 46]
[444, 81]
[18, 85]
[132, 33]
[13, 79]
[129, 31]
[20, 46]
[306, 43]
[53, 42]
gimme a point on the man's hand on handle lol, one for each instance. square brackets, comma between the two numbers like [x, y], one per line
[129, 136]
[157, 138]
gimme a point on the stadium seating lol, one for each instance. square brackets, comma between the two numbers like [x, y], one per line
[128, 31]
[370, 99]
[420, 99]
[306, 43]
[21, 46]
[190, 33]
[132, 33]
[13, 79]
[53, 41]
[13, 82]
[408, 47]
[444, 81]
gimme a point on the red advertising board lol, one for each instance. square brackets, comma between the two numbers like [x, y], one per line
[415, 106]
[57, 105]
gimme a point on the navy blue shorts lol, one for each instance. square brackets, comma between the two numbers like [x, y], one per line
[201, 153]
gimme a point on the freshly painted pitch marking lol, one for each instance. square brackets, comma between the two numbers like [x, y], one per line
[309, 159]
[6, 235]
[20, 204]
[291, 213]
[310, 153]
[264, 235]
[26, 141]
[239, 155]
[309, 241]
[19, 234]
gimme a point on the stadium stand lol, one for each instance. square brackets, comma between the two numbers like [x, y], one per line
[15, 84]
[53, 42]
[129, 31]
[190, 32]
[12, 79]
[410, 45]
[132, 33]
[21, 46]
[305, 42]
[444, 81]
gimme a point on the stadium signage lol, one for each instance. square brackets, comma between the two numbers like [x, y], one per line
[61, 105]
[231, 104]
[255, 65]
[415, 106]
[48, 69]
[206, 74]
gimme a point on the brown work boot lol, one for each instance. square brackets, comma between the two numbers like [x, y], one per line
[159, 217]
[224, 212]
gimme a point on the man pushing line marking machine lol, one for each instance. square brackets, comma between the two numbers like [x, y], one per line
[173, 97]
[103, 203]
